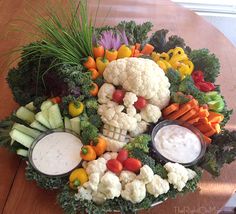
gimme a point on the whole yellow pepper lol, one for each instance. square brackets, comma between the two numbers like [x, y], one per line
[124, 51]
[101, 64]
[77, 178]
[75, 108]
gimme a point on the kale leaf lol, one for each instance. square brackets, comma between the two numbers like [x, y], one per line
[221, 151]
[44, 181]
[162, 44]
[207, 62]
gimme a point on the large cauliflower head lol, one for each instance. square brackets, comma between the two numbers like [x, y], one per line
[137, 77]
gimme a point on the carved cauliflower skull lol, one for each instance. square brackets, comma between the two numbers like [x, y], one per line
[138, 77]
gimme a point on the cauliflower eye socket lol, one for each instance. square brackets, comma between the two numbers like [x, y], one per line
[143, 92]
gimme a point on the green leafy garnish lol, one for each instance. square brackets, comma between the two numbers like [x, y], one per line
[221, 151]
[162, 44]
[46, 182]
[207, 62]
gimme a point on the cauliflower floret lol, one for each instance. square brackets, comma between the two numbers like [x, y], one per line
[157, 186]
[110, 185]
[177, 175]
[141, 128]
[134, 191]
[143, 77]
[113, 145]
[191, 174]
[98, 197]
[109, 155]
[131, 111]
[98, 166]
[105, 93]
[84, 194]
[93, 182]
[146, 174]
[126, 177]
[150, 113]
[129, 99]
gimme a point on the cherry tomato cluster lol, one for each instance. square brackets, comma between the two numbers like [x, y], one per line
[124, 162]
[119, 95]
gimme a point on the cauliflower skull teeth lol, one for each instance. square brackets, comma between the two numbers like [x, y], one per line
[114, 133]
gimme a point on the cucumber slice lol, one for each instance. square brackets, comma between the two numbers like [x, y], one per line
[22, 152]
[30, 106]
[25, 114]
[41, 118]
[67, 123]
[55, 118]
[39, 126]
[46, 105]
[45, 114]
[75, 125]
[26, 130]
[21, 138]
[12, 141]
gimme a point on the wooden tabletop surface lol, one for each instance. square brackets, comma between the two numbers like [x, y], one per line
[17, 195]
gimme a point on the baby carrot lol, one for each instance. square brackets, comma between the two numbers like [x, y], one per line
[90, 63]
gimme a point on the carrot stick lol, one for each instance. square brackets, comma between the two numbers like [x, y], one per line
[217, 128]
[215, 117]
[193, 103]
[148, 49]
[137, 53]
[210, 133]
[171, 108]
[189, 114]
[206, 139]
[132, 50]
[194, 120]
[203, 120]
[137, 46]
[203, 112]
[204, 127]
[182, 110]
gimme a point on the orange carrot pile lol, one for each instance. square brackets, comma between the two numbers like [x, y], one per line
[208, 122]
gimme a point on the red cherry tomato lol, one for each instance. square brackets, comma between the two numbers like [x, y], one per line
[140, 103]
[114, 166]
[122, 155]
[118, 96]
[132, 164]
[56, 100]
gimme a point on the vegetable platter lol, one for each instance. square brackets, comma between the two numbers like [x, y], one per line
[116, 120]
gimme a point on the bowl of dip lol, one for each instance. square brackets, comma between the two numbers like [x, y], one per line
[177, 141]
[55, 153]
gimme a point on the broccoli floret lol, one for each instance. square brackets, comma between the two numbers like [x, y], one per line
[207, 62]
[141, 142]
[88, 131]
[187, 87]
[95, 120]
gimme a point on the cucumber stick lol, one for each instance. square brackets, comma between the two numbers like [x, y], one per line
[38, 125]
[30, 106]
[67, 123]
[55, 118]
[42, 119]
[21, 138]
[25, 114]
[75, 125]
[26, 130]
[46, 105]
[22, 152]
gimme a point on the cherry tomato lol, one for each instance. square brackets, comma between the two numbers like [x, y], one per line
[114, 166]
[122, 155]
[132, 164]
[118, 96]
[56, 100]
[140, 103]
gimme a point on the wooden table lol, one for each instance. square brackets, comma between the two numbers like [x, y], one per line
[20, 196]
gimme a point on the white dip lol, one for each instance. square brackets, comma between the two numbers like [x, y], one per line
[57, 153]
[177, 144]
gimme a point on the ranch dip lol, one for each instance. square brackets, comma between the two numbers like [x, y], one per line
[57, 153]
[177, 144]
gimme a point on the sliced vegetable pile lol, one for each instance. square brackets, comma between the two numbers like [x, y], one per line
[98, 83]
